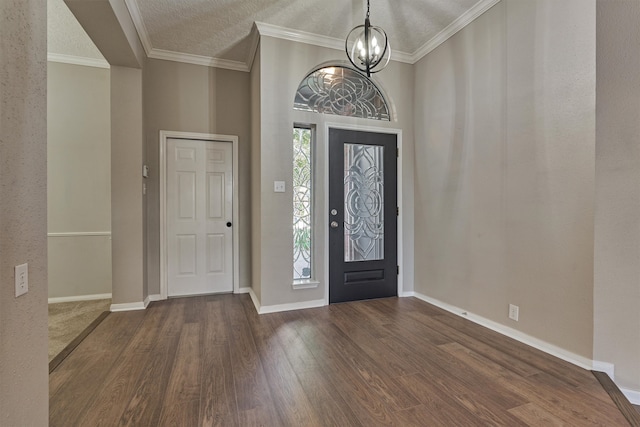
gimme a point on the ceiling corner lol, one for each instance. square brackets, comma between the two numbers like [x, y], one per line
[450, 30]
[254, 41]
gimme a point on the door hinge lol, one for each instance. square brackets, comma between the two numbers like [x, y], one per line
[397, 210]
[397, 269]
[397, 152]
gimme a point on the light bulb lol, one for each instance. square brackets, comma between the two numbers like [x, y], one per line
[360, 45]
[377, 50]
[374, 42]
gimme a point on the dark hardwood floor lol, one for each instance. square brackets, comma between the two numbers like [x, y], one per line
[214, 361]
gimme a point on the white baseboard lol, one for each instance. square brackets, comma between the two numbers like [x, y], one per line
[254, 299]
[632, 395]
[292, 306]
[243, 290]
[539, 344]
[265, 309]
[155, 297]
[79, 298]
[130, 306]
[606, 367]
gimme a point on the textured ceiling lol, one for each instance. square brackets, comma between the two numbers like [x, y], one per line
[221, 29]
[65, 36]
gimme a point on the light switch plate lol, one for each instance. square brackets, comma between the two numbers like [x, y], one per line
[278, 187]
[22, 279]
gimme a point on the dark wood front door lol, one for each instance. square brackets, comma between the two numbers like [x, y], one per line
[362, 215]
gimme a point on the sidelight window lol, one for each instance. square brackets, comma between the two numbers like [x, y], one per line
[302, 203]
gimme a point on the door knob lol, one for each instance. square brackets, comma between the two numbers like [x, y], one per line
[334, 224]
[228, 224]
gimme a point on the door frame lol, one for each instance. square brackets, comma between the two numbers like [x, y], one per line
[231, 139]
[325, 214]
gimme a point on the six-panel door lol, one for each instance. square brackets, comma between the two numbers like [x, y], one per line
[199, 217]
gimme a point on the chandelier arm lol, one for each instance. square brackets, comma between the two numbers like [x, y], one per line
[352, 56]
[384, 51]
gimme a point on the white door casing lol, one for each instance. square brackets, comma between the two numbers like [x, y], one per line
[198, 214]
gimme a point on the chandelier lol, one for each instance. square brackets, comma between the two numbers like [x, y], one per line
[367, 47]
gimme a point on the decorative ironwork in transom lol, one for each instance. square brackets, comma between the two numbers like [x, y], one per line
[343, 92]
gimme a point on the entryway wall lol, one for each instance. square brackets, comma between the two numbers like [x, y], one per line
[181, 97]
[279, 67]
[79, 182]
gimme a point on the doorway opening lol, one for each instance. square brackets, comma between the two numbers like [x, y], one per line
[198, 214]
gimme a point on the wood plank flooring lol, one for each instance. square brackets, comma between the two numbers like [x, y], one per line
[629, 411]
[213, 360]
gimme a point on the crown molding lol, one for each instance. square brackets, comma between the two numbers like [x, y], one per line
[404, 57]
[317, 40]
[299, 36]
[207, 61]
[263, 29]
[138, 22]
[462, 21]
[77, 60]
[254, 42]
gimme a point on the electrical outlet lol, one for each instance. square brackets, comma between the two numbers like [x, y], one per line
[22, 279]
[514, 312]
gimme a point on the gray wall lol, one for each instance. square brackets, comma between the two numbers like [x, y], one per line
[111, 28]
[617, 233]
[256, 108]
[283, 64]
[127, 200]
[505, 123]
[79, 180]
[193, 98]
[23, 212]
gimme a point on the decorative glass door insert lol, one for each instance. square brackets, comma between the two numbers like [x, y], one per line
[363, 202]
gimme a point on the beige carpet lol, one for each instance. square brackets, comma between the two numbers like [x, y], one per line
[68, 319]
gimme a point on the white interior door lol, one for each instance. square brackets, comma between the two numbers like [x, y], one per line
[199, 217]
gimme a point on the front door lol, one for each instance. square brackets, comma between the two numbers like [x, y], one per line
[199, 214]
[362, 215]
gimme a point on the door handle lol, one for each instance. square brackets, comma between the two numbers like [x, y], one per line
[334, 224]
[228, 224]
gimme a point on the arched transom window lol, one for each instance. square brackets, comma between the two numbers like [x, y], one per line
[341, 91]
